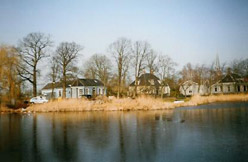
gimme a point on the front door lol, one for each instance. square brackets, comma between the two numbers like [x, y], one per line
[94, 92]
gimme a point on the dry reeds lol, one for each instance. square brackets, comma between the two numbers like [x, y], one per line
[128, 104]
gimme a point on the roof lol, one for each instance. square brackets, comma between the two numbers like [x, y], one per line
[231, 77]
[76, 82]
[57, 85]
[147, 79]
[87, 82]
[188, 82]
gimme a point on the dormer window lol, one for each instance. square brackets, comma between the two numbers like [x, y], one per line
[152, 82]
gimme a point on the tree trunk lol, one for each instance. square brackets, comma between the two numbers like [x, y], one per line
[52, 95]
[135, 86]
[162, 87]
[34, 82]
[104, 88]
[64, 83]
[119, 87]
[119, 78]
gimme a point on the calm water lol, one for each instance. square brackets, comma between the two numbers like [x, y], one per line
[217, 132]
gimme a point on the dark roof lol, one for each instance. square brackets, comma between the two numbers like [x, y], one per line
[76, 82]
[147, 79]
[57, 85]
[87, 82]
[231, 77]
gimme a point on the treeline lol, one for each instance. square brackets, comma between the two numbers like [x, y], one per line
[125, 60]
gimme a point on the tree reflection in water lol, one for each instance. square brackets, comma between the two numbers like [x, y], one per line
[208, 133]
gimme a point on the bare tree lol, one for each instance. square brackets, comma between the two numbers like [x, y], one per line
[90, 70]
[166, 70]
[216, 74]
[140, 52]
[32, 49]
[67, 54]
[152, 62]
[187, 72]
[121, 50]
[54, 73]
[98, 66]
[240, 67]
[201, 75]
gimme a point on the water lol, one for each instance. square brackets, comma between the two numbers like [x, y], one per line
[216, 132]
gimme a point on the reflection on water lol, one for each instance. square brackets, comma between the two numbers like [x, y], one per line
[217, 132]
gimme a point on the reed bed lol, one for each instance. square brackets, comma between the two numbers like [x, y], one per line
[128, 104]
[124, 104]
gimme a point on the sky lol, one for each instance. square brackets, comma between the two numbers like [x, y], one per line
[186, 30]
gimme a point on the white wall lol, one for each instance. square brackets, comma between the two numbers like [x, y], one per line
[77, 92]
[189, 90]
[58, 92]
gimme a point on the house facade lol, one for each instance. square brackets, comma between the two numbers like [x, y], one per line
[77, 88]
[149, 84]
[57, 90]
[190, 88]
[230, 83]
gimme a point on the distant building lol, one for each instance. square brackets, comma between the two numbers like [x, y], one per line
[75, 89]
[217, 64]
[190, 88]
[230, 83]
[149, 84]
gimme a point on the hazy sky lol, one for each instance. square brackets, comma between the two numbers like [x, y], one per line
[187, 30]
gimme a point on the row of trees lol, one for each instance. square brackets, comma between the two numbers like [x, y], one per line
[125, 58]
[129, 58]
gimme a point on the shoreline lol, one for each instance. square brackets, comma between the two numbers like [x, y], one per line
[125, 104]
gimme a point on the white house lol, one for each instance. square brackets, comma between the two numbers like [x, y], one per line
[75, 89]
[190, 88]
[230, 83]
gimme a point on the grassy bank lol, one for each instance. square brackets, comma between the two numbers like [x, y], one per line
[126, 104]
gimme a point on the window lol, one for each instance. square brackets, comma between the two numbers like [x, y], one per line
[80, 92]
[215, 89]
[152, 82]
[238, 88]
[59, 93]
[190, 91]
[228, 88]
[99, 90]
[244, 88]
[86, 91]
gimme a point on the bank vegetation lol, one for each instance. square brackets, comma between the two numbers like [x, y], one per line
[126, 104]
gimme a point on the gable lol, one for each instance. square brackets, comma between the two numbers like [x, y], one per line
[232, 77]
[147, 80]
